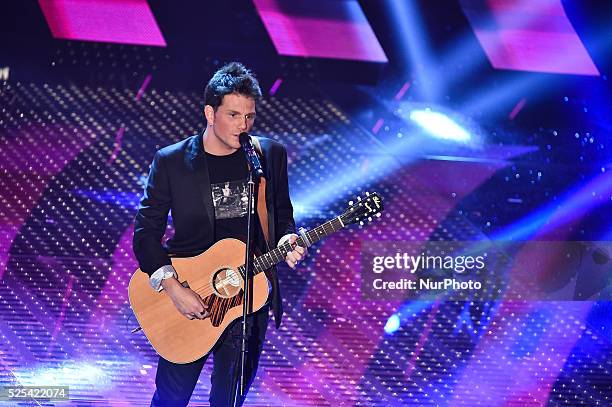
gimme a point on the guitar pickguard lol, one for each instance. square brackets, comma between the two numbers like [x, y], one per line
[219, 306]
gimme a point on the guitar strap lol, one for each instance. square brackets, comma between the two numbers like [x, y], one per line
[262, 210]
[262, 213]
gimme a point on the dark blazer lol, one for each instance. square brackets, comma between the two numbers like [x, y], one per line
[179, 182]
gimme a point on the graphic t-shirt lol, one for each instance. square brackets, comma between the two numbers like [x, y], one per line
[228, 182]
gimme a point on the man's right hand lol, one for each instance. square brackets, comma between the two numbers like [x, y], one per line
[186, 301]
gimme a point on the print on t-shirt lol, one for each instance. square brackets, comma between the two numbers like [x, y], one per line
[230, 199]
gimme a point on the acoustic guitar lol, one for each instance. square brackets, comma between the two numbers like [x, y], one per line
[217, 276]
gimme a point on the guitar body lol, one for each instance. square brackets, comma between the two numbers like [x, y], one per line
[213, 276]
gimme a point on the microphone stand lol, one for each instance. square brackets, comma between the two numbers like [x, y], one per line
[247, 298]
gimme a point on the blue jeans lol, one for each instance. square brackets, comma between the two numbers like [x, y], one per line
[175, 382]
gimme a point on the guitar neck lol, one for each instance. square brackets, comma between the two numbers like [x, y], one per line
[278, 255]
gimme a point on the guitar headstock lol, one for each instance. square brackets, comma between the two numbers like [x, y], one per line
[363, 209]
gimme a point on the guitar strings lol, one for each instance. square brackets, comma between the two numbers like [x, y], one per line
[208, 290]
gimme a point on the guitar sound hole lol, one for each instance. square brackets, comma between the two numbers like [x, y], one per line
[226, 283]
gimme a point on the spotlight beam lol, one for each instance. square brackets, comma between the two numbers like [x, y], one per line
[413, 39]
[490, 98]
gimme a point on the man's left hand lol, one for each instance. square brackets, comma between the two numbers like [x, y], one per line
[298, 253]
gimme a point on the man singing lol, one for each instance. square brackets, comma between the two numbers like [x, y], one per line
[186, 178]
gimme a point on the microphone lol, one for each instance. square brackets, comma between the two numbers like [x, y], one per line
[251, 155]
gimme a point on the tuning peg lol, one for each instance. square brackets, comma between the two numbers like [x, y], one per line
[378, 214]
[367, 194]
[359, 198]
[370, 218]
[361, 223]
[350, 202]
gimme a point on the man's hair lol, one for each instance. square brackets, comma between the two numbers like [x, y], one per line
[231, 78]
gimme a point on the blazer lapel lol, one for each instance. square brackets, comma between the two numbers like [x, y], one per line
[269, 196]
[197, 162]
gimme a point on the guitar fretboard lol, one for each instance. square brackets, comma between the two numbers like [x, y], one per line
[278, 255]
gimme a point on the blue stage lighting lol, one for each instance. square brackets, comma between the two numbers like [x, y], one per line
[70, 374]
[574, 204]
[440, 126]
[495, 96]
[393, 324]
[405, 313]
[413, 38]
[442, 133]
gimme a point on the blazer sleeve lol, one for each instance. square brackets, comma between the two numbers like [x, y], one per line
[152, 219]
[284, 210]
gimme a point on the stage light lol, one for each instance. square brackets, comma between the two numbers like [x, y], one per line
[4, 73]
[382, 159]
[320, 29]
[69, 374]
[118, 21]
[440, 126]
[541, 40]
[405, 313]
[495, 97]
[393, 324]
[439, 133]
[413, 39]
[576, 203]
[127, 200]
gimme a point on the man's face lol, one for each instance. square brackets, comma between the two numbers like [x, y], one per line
[235, 115]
